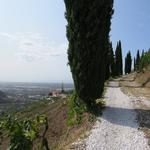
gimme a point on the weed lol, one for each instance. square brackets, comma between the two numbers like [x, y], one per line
[76, 110]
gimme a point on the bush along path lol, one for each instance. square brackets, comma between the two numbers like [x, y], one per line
[118, 126]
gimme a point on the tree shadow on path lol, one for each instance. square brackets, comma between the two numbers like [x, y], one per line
[133, 118]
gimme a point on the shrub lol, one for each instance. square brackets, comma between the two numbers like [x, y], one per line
[76, 110]
[145, 61]
[22, 133]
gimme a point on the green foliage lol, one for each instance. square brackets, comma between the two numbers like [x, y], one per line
[137, 60]
[145, 60]
[88, 35]
[134, 64]
[76, 110]
[112, 62]
[128, 63]
[143, 53]
[118, 59]
[22, 133]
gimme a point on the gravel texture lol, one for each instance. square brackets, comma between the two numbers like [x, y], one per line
[118, 127]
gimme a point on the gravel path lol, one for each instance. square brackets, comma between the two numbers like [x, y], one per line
[117, 128]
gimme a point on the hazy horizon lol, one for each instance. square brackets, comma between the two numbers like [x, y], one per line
[36, 82]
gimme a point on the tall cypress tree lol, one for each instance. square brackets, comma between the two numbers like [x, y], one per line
[142, 54]
[112, 62]
[107, 74]
[88, 35]
[109, 62]
[134, 64]
[137, 60]
[120, 57]
[128, 63]
[119, 62]
[116, 60]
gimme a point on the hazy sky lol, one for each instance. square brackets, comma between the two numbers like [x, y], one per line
[33, 41]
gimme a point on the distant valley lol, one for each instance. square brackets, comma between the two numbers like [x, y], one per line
[16, 95]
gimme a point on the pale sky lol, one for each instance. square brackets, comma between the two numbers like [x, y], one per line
[33, 43]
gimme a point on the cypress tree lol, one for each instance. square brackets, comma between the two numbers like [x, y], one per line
[118, 56]
[142, 54]
[137, 60]
[116, 60]
[88, 35]
[107, 74]
[128, 63]
[134, 64]
[109, 62]
[112, 61]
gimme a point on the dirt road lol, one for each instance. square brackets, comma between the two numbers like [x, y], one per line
[118, 127]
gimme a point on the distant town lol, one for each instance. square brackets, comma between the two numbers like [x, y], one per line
[17, 95]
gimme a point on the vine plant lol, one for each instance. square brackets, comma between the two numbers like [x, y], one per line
[22, 133]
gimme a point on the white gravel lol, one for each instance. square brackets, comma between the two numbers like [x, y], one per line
[117, 128]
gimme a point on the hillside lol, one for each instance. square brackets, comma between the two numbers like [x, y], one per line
[143, 78]
[127, 110]
[59, 134]
[137, 86]
[143, 74]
